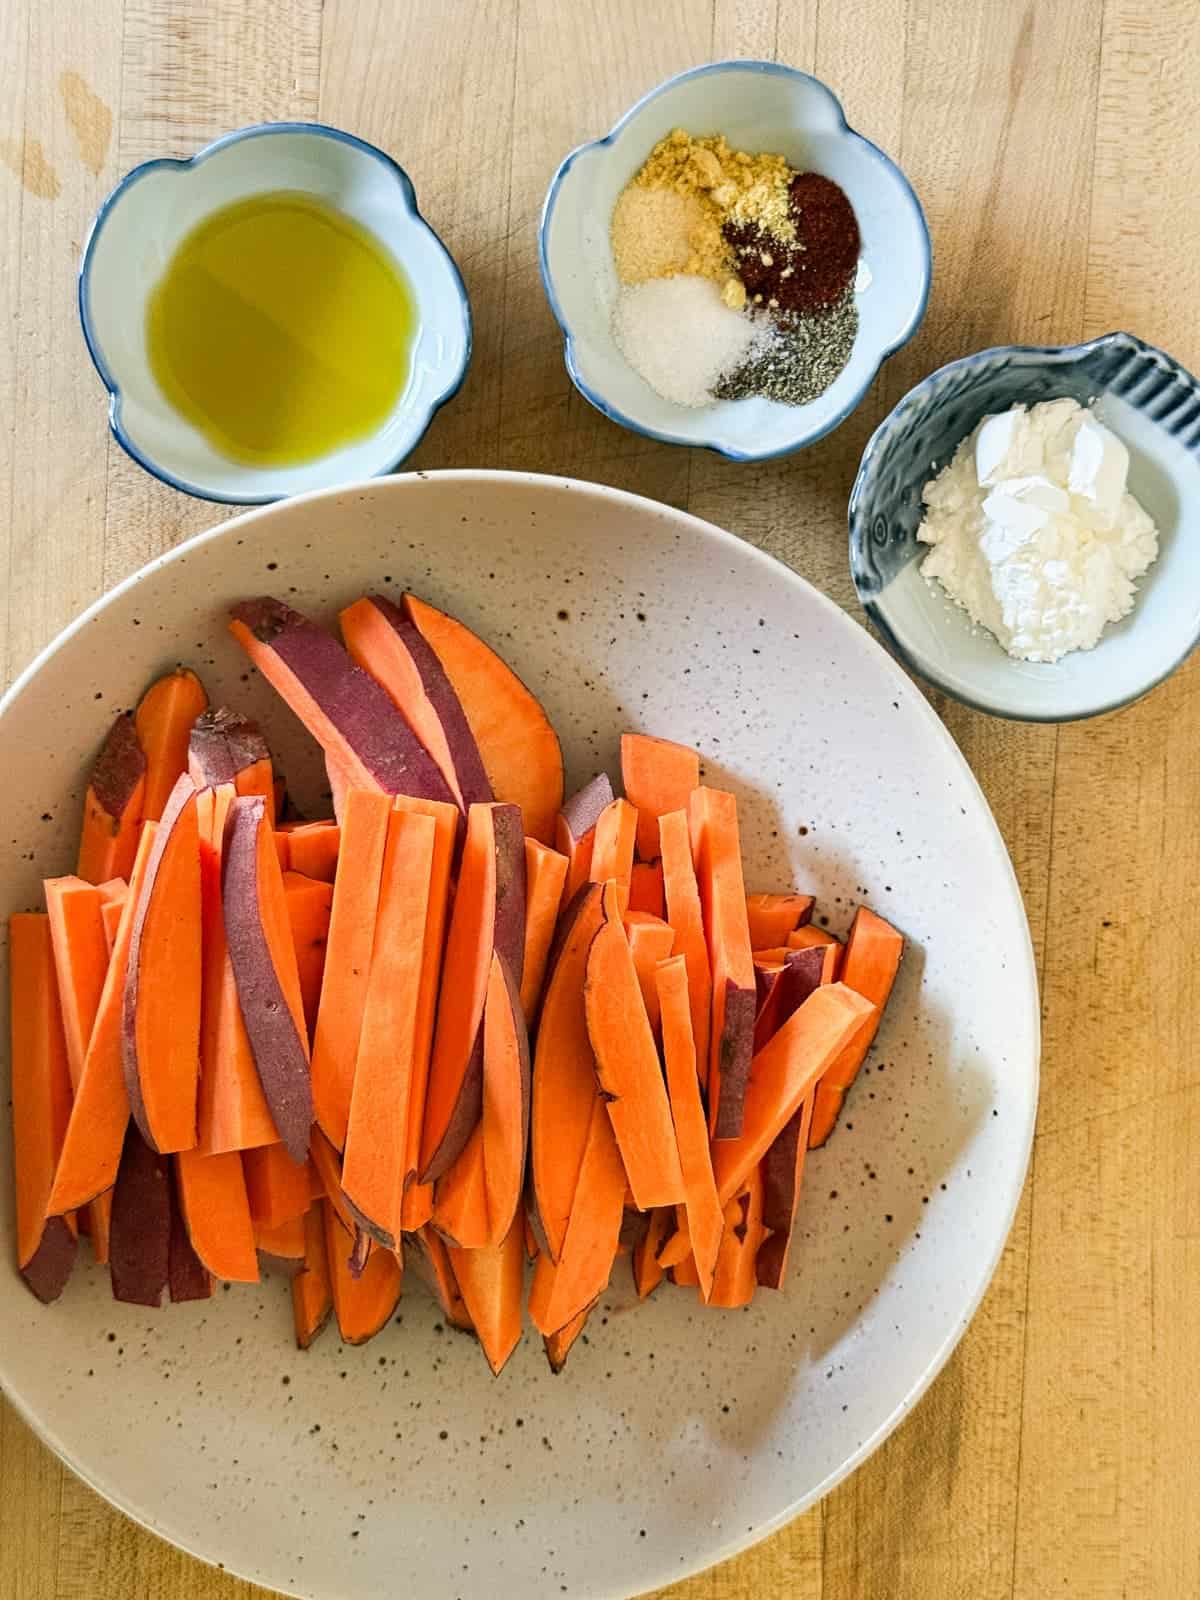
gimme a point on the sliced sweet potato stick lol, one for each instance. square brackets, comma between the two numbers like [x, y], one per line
[518, 747]
[504, 1123]
[784, 1072]
[226, 747]
[564, 1075]
[797, 977]
[309, 904]
[686, 916]
[75, 909]
[489, 914]
[111, 911]
[264, 967]
[651, 940]
[396, 653]
[545, 875]
[375, 1165]
[91, 1152]
[216, 1210]
[575, 832]
[685, 1275]
[41, 1105]
[773, 916]
[140, 1250]
[349, 715]
[782, 1168]
[558, 1345]
[113, 806]
[277, 1188]
[352, 917]
[163, 721]
[161, 1022]
[657, 776]
[716, 851]
[187, 1276]
[705, 1224]
[313, 849]
[870, 963]
[282, 1246]
[735, 1279]
[460, 1211]
[647, 1271]
[312, 1293]
[809, 938]
[491, 1281]
[430, 1259]
[327, 1164]
[627, 1066]
[646, 887]
[364, 1303]
[232, 1113]
[613, 847]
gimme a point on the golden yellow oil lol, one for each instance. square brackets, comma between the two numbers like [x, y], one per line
[281, 329]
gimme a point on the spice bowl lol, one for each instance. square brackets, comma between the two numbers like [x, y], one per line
[1152, 404]
[758, 106]
[158, 204]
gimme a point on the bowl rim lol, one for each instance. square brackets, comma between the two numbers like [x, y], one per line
[614, 413]
[1050, 355]
[257, 130]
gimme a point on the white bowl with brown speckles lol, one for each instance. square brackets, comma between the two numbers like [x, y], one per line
[676, 1435]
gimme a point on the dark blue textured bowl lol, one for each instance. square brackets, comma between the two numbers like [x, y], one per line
[1153, 404]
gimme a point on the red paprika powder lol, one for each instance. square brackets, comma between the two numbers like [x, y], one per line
[814, 271]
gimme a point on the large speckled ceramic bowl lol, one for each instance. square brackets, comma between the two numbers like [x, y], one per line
[676, 1435]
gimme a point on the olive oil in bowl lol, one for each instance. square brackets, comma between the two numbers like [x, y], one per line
[281, 329]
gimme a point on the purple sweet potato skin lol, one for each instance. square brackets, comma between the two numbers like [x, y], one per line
[279, 1052]
[222, 744]
[358, 707]
[779, 1177]
[788, 991]
[737, 1049]
[140, 1235]
[187, 1276]
[47, 1270]
[464, 752]
[176, 801]
[581, 811]
[119, 767]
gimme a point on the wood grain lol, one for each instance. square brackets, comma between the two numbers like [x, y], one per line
[1051, 144]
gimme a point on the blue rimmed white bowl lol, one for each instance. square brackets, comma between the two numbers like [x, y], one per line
[1153, 405]
[758, 105]
[139, 226]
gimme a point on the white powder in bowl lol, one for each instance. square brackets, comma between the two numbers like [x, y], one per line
[1033, 531]
[680, 336]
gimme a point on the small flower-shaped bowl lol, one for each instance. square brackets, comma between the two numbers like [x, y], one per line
[1153, 405]
[147, 215]
[758, 106]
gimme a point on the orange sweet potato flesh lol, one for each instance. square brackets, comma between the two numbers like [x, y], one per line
[309, 902]
[216, 1211]
[110, 915]
[233, 1113]
[558, 1345]
[327, 1164]
[163, 721]
[277, 1188]
[161, 1023]
[263, 957]
[575, 832]
[784, 1072]
[705, 1224]
[782, 1169]
[312, 1292]
[519, 748]
[393, 650]
[41, 1105]
[716, 851]
[773, 916]
[627, 1066]
[564, 1075]
[313, 850]
[809, 938]
[91, 1151]
[506, 1091]
[375, 1166]
[657, 776]
[282, 1245]
[489, 915]
[366, 741]
[613, 848]
[869, 966]
[430, 1258]
[686, 917]
[361, 1304]
[685, 1275]
[355, 906]
[648, 1272]
[460, 1210]
[736, 1278]
[650, 941]
[545, 875]
[491, 1281]
[646, 888]
[113, 806]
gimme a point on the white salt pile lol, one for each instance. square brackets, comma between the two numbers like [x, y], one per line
[680, 336]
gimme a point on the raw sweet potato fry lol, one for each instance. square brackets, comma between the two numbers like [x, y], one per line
[575, 832]
[651, 940]
[869, 966]
[277, 1188]
[658, 776]
[163, 722]
[312, 1293]
[216, 1210]
[313, 849]
[686, 916]
[613, 848]
[309, 903]
[646, 891]
[735, 1279]
[362, 1304]
[545, 875]
[773, 916]
[782, 1168]
[113, 807]
[491, 1281]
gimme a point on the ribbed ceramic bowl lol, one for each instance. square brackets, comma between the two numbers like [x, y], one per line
[1146, 398]
[758, 105]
